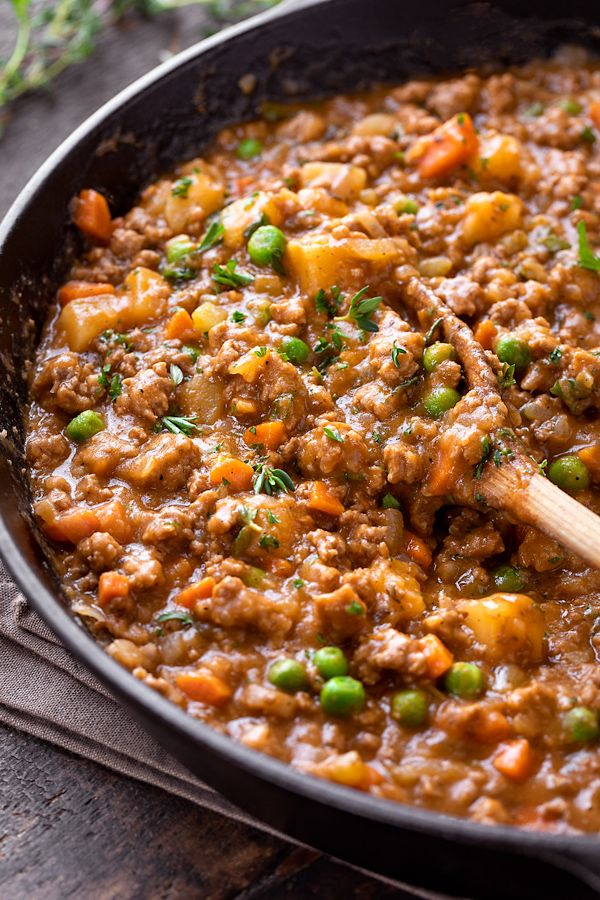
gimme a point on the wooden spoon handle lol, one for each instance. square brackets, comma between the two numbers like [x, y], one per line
[533, 499]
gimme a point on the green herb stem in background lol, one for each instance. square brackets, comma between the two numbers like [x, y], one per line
[52, 36]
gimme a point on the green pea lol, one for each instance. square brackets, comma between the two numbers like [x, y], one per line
[295, 350]
[581, 724]
[177, 251]
[330, 662]
[288, 675]
[440, 400]
[267, 245]
[569, 473]
[194, 352]
[248, 149]
[507, 578]
[84, 426]
[514, 352]
[464, 680]
[436, 354]
[342, 696]
[410, 708]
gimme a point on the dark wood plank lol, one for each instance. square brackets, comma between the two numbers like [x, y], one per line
[71, 829]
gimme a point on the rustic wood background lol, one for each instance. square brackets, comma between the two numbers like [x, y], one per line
[69, 828]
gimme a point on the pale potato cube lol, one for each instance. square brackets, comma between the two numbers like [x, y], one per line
[498, 158]
[206, 316]
[396, 578]
[202, 398]
[82, 320]
[204, 196]
[344, 181]
[146, 297]
[344, 768]
[317, 260]
[487, 216]
[376, 123]
[241, 213]
[251, 365]
[510, 626]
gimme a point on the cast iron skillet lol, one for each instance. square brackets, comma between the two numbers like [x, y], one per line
[304, 49]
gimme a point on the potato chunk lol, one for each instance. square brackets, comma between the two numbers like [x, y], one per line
[510, 626]
[317, 260]
[487, 216]
[498, 159]
[202, 197]
[82, 320]
[202, 398]
[344, 181]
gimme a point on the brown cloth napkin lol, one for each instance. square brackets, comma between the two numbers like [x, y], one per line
[76, 712]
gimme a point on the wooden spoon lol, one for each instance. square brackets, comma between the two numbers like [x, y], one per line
[517, 487]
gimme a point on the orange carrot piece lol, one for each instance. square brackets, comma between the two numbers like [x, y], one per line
[417, 549]
[201, 590]
[233, 473]
[92, 216]
[114, 518]
[439, 659]
[73, 525]
[371, 777]
[595, 114]
[275, 565]
[322, 499]
[591, 457]
[270, 434]
[491, 728]
[180, 326]
[112, 586]
[449, 146]
[515, 760]
[485, 333]
[203, 686]
[75, 290]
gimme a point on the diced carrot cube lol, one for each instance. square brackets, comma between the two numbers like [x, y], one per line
[485, 333]
[371, 777]
[180, 326]
[114, 518]
[595, 114]
[204, 686]
[276, 565]
[92, 216]
[76, 290]
[491, 728]
[322, 499]
[449, 146]
[439, 659]
[270, 434]
[73, 525]
[417, 549]
[201, 590]
[515, 760]
[112, 586]
[591, 457]
[233, 473]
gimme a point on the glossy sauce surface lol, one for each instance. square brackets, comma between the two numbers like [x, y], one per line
[246, 446]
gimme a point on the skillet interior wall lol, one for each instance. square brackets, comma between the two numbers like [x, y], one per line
[177, 117]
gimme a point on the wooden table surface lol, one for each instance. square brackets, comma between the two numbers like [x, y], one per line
[69, 828]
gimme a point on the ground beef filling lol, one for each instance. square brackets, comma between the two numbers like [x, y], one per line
[257, 463]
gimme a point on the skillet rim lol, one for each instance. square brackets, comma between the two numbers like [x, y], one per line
[535, 845]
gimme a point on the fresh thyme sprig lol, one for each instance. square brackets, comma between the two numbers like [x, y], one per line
[53, 36]
[271, 481]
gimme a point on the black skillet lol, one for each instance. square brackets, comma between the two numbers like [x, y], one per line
[305, 49]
